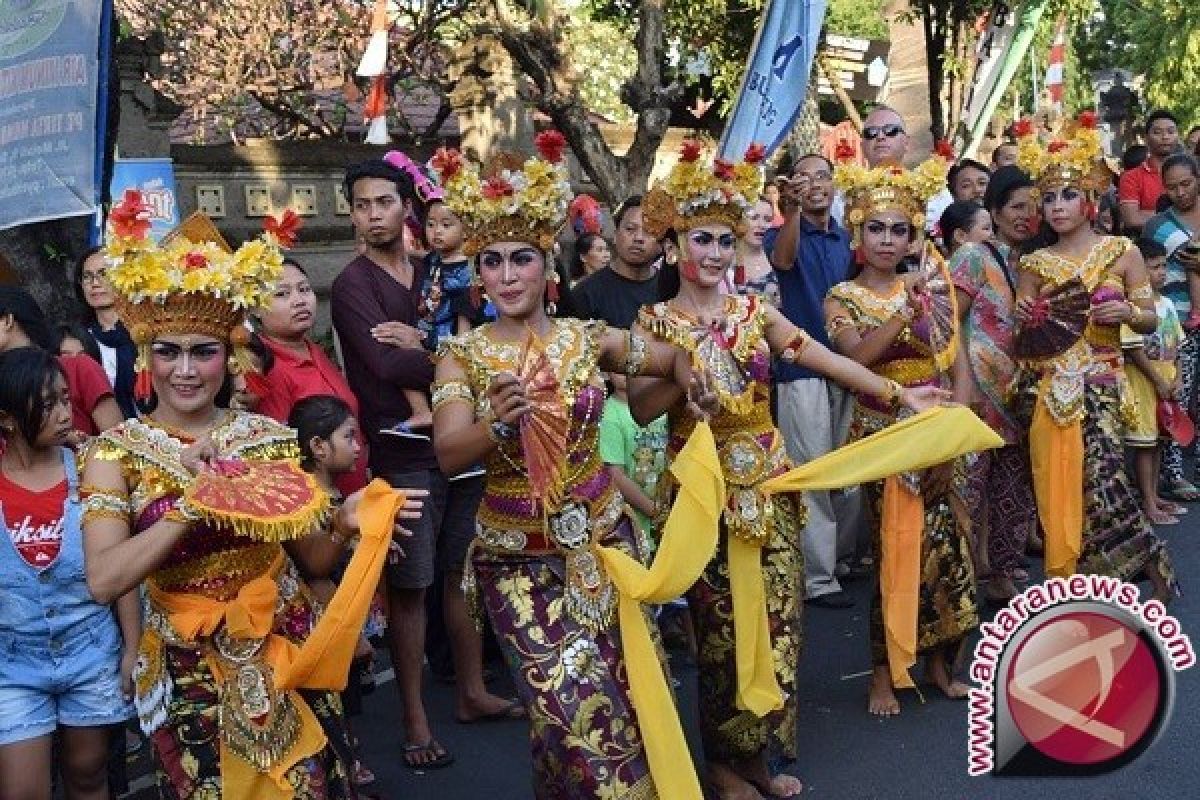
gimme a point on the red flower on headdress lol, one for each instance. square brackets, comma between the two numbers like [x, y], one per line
[1057, 146]
[755, 154]
[496, 187]
[447, 161]
[844, 151]
[283, 229]
[1022, 127]
[551, 145]
[691, 149]
[1087, 119]
[944, 149]
[723, 169]
[195, 260]
[130, 218]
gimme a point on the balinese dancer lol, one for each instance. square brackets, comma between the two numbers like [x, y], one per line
[747, 604]
[207, 510]
[556, 560]
[892, 324]
[1073, 297]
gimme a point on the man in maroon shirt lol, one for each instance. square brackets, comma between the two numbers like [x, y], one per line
[375, 301]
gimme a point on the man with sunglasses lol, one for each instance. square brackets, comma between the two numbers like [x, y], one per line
[884, 138]
[811, 253]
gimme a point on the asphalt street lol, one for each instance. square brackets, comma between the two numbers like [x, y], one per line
[845, 753]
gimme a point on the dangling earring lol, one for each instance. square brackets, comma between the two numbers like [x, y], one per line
[552, 293]
[476, 294]
[143, 384]
[860, 256]
[739, 275]
[1089, 210]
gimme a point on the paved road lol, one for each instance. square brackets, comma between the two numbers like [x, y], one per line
[845, 752]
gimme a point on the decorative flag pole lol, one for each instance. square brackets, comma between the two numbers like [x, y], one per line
[1055, 77]
[374, 66]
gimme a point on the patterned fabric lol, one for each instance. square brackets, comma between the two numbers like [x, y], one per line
[987, 330]
[765, 286]
[999, 492]
[583, 728]
[728, 733]
[180, 704]
[751, 449]
[1117, 539]
[1172, 454]
[946, 609]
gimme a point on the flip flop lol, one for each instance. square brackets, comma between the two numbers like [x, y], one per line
[1183, 491]
[441, 756]
[510, 713]
[1161, 518]
[403, 431]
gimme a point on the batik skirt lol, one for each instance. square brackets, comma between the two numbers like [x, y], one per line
[583, 729]
[187, 748]
[946, 608]
[999, 495]
[727, 732]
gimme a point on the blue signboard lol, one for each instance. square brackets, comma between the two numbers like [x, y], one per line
[49, 57]
[155, 179]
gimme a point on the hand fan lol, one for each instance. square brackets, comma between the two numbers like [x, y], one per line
[543, 430]
[270, 501]
[1058, 321]
[939, 323]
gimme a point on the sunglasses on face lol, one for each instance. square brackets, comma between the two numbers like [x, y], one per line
[725, 241]
[891, 131]
[899, 230]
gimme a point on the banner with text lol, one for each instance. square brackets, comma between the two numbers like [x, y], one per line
[155, 179]
[776, 80]
[49, 55]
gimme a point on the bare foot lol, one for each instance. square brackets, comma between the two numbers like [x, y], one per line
[939, 675]
[881, 699]
[488, 708]
[728, 784]
[755, 772]
[784, 785]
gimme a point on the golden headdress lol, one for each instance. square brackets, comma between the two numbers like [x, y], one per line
[1074, 157]
[696, 193]
[191, 282]
[508, 200]
[870, 190]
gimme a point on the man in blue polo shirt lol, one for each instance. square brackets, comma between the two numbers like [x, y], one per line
[811, 253]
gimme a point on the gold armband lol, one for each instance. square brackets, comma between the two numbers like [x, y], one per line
[450, 391]
[892, 391]
[104, 503]
[636, 351]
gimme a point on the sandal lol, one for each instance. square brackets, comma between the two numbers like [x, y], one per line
[433, 756]
[1172, 508]
[1161, 518]
[362, 775]
[1183, 491]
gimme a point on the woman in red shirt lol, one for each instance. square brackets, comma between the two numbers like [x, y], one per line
[300, 369]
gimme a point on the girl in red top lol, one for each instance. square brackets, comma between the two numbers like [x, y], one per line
[67, 664]
[301, 369]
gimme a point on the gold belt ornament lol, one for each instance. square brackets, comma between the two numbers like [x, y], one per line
[746, 463]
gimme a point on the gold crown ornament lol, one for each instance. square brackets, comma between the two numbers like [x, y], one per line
[1074, 157]
[698, 192]
[508, 200]
[870, 190]
[190, 282]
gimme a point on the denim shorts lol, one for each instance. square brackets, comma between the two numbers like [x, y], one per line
[73, 681]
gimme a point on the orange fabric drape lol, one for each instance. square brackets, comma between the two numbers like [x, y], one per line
[321, 662]
[1056, 456]
[901, 528]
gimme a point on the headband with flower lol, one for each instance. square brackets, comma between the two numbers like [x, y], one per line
[1074, 157]
[870, 190]
[696, 192]
[192, 281]
[508, 200]
[427, 190]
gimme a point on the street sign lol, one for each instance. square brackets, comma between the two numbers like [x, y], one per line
[861, 65]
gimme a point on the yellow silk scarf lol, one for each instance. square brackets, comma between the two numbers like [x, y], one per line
[687, 545]
[923, 440]
[321, 662]
[1056, 458]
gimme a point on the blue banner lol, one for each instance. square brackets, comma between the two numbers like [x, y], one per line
[49, 55]
[155, 179]
[776, 80]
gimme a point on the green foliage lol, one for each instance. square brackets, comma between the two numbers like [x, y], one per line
[1156, 39]
[863, 19]
[604, 58]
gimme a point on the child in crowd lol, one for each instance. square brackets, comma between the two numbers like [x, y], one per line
[68, 663]
[636, 457]
[1153, 376]
[327, 433]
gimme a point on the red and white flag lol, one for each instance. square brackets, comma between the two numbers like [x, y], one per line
[1055, 68]
[374, 66]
